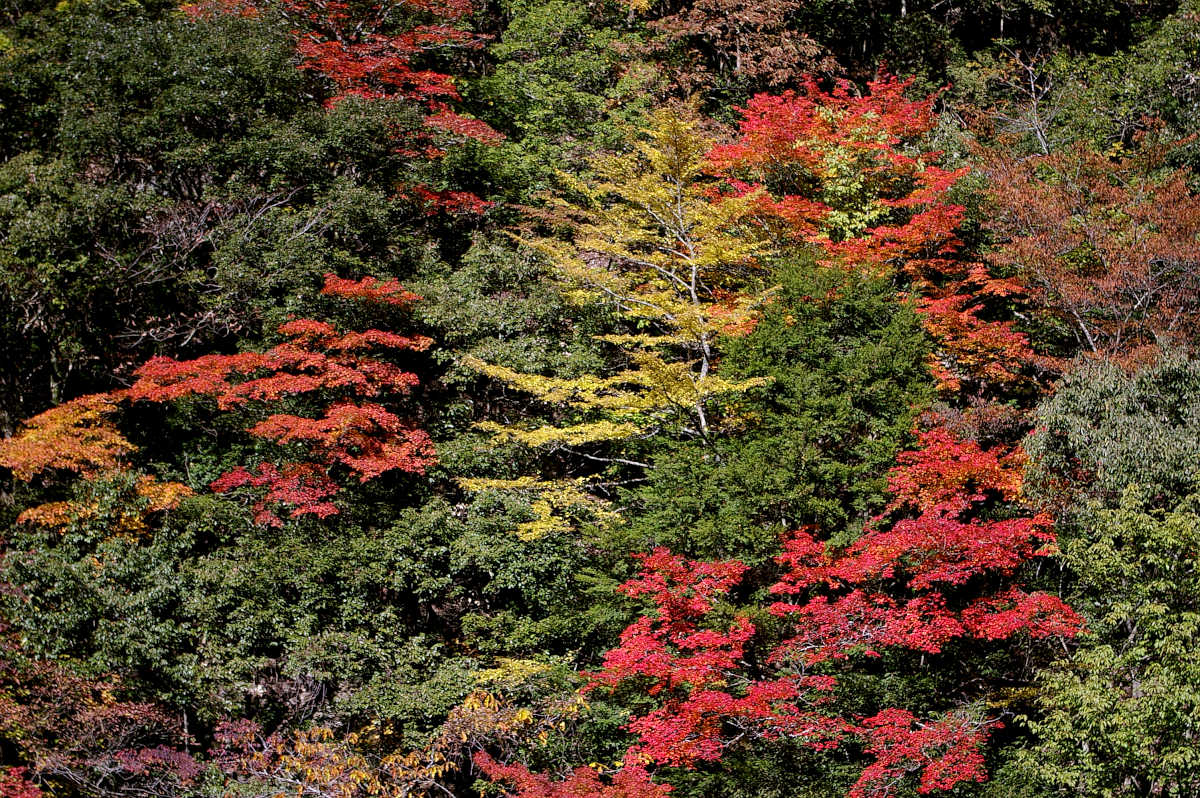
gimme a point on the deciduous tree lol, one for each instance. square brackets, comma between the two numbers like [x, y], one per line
[939, 570]
[848, 173]
[1106, 247]
[680, 270]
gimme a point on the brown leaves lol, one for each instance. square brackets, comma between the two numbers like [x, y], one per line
[1106, 247]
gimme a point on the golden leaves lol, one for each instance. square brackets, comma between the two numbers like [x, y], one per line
[555, 504]
[128, 518]
[76, 436]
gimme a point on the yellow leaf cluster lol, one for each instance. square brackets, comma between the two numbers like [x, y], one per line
[511, 672]
[554, 501]
[655, 240]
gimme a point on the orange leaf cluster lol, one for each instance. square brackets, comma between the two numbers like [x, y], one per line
[150, 496]
[75, 436]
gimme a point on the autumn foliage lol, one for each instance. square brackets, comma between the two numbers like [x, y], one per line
[341, 370]
[847, 173]
[629, 782]
[374, 52]
[76, 436]
[68, 727]
[340, 376]
[1106, 247]
[899, 586]
[729, 491]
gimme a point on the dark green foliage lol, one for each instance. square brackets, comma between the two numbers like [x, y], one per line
[848, 372]
[561, 85]
[1106, 429]
[192, 192]
[215, 616]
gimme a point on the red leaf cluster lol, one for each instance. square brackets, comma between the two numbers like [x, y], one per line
[944, 752]
[306, 487]
[369, 289]
[357, 49]
[317, 361]
[902, 584]
[818, 156]
[629, 782]
[14, 784]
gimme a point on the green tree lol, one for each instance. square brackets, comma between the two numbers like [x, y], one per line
[1117, 455]
[848, 373]
[1122, 714]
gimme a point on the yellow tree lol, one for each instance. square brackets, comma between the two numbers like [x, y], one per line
[653, 238]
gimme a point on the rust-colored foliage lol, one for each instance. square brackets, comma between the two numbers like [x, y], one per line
[315, 761]
[76, 436]
[1103, 245]
[739, 41]
[369, 289]
[67, 728]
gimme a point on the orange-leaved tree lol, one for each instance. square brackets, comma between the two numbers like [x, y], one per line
[322, 395]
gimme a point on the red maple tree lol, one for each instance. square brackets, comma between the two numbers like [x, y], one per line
[847, 172]
[342, 378]
[341, 371]
[923, 574]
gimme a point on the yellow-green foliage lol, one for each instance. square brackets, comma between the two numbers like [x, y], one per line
[554, 503]
[678, 262]
[641, 399]
[511, 672]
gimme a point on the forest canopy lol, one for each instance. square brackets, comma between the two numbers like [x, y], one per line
[610, 399]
